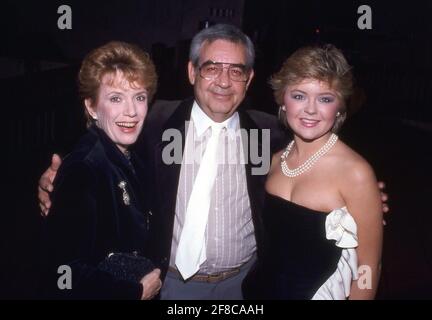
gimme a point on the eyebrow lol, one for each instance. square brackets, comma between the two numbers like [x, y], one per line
[118, 92]
[231, 64]
[141, 92]
[323, 93]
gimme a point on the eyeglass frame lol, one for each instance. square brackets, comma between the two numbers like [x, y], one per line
[230, 65]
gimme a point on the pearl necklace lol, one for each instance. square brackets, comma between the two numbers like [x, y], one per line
[309, 162]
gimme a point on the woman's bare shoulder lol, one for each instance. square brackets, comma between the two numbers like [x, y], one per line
[351, 166]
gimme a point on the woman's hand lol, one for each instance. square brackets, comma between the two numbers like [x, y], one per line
[151, 283]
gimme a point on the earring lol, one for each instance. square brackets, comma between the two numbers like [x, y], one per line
[280, 111]
[338, 114]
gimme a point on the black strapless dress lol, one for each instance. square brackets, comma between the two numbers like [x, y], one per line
[296, 258]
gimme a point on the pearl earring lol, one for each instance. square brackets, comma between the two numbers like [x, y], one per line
[338, 114]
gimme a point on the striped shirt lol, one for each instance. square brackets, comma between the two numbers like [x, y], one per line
[230, 240]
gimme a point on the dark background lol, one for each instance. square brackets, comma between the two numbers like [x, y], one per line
[392, 128]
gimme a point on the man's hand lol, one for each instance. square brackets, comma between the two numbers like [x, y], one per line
[384, 198]
[46, 185]
[151, 283]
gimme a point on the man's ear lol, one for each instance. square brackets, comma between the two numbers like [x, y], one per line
[89, 108]
[251, 75]
[191, 73]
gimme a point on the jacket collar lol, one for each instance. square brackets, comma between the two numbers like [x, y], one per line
[111, 150]
[202, 121]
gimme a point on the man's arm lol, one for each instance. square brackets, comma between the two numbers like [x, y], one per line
[45, 186]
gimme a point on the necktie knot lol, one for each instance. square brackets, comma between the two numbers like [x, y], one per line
[217, 127]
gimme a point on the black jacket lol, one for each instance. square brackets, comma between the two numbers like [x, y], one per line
[172, 115]
[89, 219]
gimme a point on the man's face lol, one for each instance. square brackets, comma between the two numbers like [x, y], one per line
[220, 97]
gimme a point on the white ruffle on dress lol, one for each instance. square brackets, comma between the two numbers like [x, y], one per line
[340, 226]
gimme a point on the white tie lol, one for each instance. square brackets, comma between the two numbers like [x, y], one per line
[191, 250]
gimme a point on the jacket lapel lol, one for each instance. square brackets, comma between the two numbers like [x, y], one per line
[255, 183]
[168, 174]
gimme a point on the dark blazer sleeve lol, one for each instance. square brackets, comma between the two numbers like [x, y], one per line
[279, 135]
[71, 236]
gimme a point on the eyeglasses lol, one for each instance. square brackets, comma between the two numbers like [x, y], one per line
[211, 70]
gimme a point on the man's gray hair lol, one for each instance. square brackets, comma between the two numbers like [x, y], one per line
[221, 32]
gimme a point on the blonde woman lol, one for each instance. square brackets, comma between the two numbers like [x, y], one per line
[323, 210]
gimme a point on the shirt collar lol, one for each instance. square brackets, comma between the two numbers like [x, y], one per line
[202, 121]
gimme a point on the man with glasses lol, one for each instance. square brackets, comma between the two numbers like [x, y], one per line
[220, 69]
